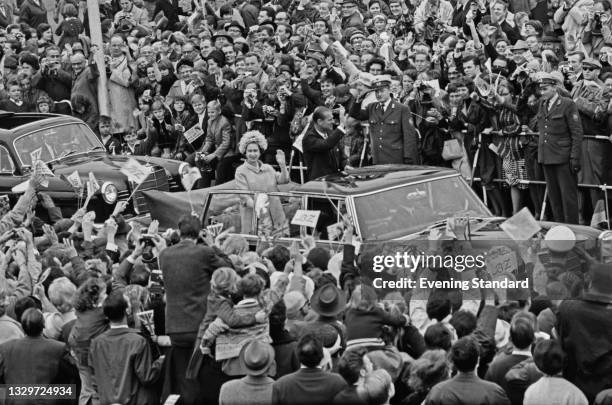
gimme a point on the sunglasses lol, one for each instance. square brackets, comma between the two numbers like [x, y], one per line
[589, 69]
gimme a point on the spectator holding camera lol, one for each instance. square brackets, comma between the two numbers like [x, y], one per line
[51, 78]
[598, 28]
[433, 15]
[132, 16]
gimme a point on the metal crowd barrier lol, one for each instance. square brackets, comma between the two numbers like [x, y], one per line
[603, 187]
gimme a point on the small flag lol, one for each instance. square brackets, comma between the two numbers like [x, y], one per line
[521, 226]
[599, 214]
[35, 155]
[135, 171]
[42, 170]
[75, 180]
[94, 182]
[193, 133]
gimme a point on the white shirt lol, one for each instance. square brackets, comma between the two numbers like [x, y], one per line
[385, 106]
[323, 135]
[552, 101]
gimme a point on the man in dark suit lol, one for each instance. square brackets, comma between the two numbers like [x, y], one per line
[583, 326]
[393, 138]
[121, 358]
[186, 268]
[35, 359]
[466, 387]
[559, 149]
[322, 155]
[310, 384]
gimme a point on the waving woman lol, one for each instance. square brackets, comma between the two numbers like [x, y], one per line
[254, 175]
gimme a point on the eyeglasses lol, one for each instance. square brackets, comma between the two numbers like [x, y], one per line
[589, 69]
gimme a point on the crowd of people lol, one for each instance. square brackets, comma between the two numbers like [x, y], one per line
[512, 91]
[123, 314]
[458, 84]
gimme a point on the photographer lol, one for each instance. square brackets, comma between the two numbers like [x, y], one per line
[131, 17]
[51, 78]
[428, 116]
[598, 28]
[433, 15]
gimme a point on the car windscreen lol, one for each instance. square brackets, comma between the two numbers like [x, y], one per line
[396, 212]
[56, 142]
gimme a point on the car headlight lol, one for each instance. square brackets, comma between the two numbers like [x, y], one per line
[183, 168]
[109, 193]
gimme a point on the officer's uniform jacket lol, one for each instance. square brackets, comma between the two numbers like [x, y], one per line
[560, 131]
[392, 135]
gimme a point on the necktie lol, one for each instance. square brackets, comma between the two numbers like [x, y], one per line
[550, 105]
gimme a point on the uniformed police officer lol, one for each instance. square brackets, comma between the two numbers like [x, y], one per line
[393, 137]
[559, 149]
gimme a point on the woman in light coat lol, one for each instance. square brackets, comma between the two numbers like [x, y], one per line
[254, 175]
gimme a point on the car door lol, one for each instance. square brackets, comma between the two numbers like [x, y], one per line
[329, 228]
[9, 176]
[231, 209]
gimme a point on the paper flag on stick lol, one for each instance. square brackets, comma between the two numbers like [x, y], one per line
[75, 180]
[215, 229]
[35, 155]
[94, 182]
[193, 133]
[146, 319]
[43, 171]
[135, 171]
[521, 226]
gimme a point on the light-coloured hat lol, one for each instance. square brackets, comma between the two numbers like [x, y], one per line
[381, 81]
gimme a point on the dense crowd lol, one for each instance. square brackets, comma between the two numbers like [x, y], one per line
[128, 315]
[505, 93]
[455, 84]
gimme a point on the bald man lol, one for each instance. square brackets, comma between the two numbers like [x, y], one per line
[85, 80]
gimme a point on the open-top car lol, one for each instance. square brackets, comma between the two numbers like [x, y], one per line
[66, 144]
[384, 203]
